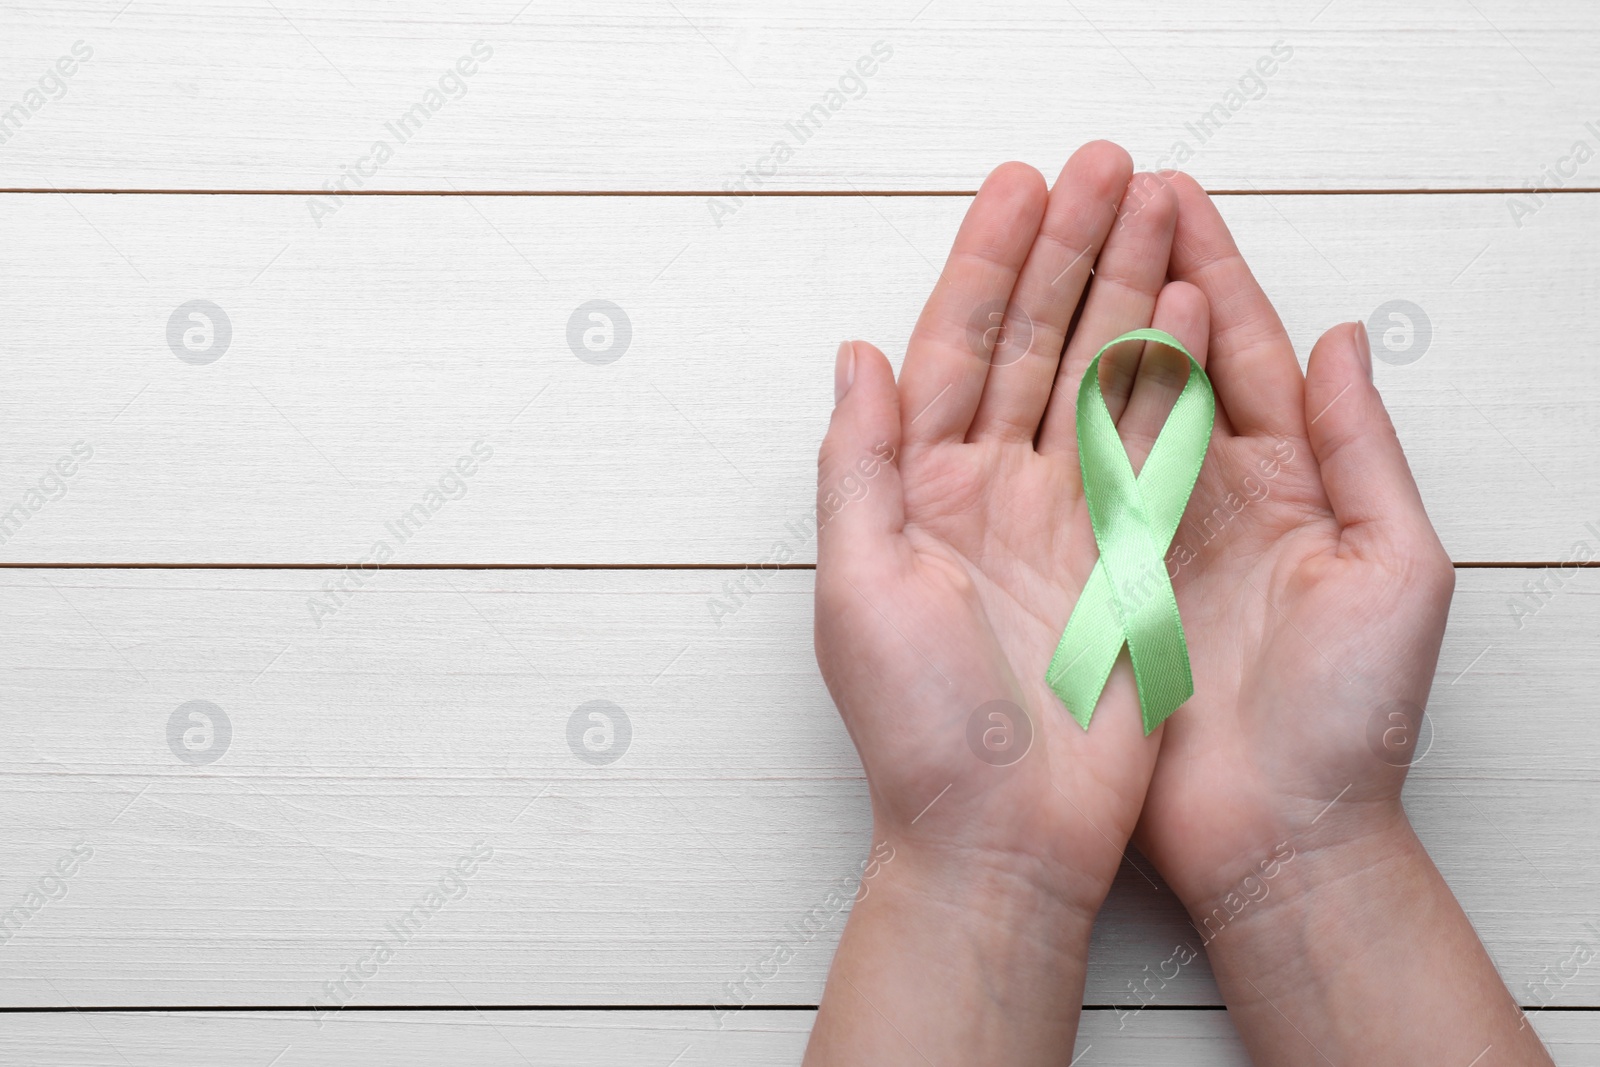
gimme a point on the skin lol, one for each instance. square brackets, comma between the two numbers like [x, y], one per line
[1314, 602]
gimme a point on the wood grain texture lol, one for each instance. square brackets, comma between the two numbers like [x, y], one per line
[640, 95]
[591, 1039]
[432, 712]
[368, 355]
[375, 741]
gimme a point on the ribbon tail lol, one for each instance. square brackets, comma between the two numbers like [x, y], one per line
[1088, 649]
[1148, 615]
[1164, 686]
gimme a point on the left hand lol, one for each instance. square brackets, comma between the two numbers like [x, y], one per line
[946, 586]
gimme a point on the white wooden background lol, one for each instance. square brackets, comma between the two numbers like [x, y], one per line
[1386, 158]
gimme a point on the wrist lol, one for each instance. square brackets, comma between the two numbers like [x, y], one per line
[1307, 853]
[975, 883]
[1305, 909]
[1000, 904]
[966, 957]
[1358, 938]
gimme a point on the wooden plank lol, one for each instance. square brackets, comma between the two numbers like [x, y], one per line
[366, 357]
[578, 1039]
[641, 95]
[400, 1039]
[365, 758]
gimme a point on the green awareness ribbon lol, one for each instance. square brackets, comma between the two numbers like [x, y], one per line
[1128, 598]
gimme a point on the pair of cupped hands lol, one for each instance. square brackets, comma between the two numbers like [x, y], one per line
[1312, 587]
[1315, 597]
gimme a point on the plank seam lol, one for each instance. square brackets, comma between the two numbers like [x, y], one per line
[762, 193]
[300, 1008]
[766, 566]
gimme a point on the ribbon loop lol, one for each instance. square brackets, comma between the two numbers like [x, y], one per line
[1128, 598]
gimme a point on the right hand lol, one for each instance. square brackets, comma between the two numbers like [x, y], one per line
[1314, 602]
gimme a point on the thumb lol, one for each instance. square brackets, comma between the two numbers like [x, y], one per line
[1364, 469]
[859, 503]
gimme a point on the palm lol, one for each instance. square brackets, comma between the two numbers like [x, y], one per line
[1313, 633]
[1002, 548]
[1013, 521]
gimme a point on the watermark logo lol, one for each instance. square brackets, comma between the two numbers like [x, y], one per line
[450, 886]
[599, 332]
[51, 85]
[1564, 169]
[999, 733]
[451, 84]
[851, 85]
[996, 338]
[1252, 889]
[1539, 591]
[1211, 525]
[339, 590]
[599, 733]
[51, 486]
[199, 332]
[1545, 986]
[1400, 733]
[840, 898]
[199, 732]
[1400, 332]
[51, 886]
[851, 487]
[1250, 86]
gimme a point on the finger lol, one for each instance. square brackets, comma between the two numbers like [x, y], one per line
[1253, 367]
[946, 361]
[1364, 470]
[1181, 311]
[1127, 278]
[1077, 219]
[859, 502]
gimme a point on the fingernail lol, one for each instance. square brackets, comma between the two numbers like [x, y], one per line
[1364, 347]
[844, 370]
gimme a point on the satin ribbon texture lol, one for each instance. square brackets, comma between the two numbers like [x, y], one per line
[1128, 598]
